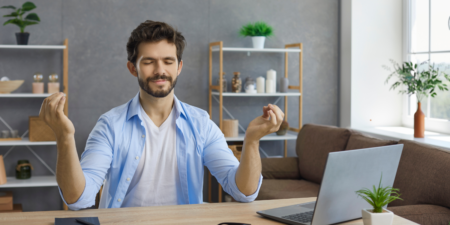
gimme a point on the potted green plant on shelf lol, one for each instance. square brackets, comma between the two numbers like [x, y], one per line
[18, 13]
[423, 83]
[378, 198]
[258, 31]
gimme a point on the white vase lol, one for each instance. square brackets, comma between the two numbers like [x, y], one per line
[370, 218]
[258, 42]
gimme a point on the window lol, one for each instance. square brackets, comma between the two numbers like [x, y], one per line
[429, 39]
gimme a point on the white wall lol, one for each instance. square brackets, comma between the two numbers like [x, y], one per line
[371, 34]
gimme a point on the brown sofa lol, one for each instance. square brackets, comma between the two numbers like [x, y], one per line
[423, 176]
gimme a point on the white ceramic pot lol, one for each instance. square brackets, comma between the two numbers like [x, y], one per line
[258, 42]
[370, 218]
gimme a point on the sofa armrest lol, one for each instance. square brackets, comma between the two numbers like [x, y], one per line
[280, 168]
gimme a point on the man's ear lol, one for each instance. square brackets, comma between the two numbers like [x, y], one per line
[132, 68]
[180, 66]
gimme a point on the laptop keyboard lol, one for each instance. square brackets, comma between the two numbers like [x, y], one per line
[300, 217]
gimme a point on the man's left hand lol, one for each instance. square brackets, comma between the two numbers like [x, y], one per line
[266, 124]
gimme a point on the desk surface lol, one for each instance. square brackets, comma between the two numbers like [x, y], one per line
[213, 213]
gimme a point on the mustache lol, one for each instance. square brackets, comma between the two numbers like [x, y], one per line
[159, 77]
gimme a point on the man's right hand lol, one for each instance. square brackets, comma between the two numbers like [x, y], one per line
[52, 112]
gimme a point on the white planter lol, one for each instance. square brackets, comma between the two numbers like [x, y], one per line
[370, 218]
[258, 42]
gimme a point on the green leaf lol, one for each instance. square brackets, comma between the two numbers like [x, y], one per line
[13, 21]
[8, 7]
[13, 14]
[28, 23]
[32, 16]
[27, 6]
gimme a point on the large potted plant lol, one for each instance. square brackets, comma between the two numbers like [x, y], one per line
[422, 82]
[18, 13]
[378, 197]
[258, 31]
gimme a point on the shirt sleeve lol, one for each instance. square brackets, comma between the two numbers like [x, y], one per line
[95, 163]
[222, 163]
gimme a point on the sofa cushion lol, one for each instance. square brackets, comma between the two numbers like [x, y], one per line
[358, 140]
[314, 142]
[280, 189]
[423, 175]
[280, 168]
[423, 214]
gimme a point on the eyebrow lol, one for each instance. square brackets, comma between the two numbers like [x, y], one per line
[165, 58]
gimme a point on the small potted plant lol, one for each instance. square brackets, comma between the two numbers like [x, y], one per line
[378, 198]
[258, 31]
[423, 83]
[18, 13]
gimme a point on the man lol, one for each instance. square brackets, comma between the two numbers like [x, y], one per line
[152, 150]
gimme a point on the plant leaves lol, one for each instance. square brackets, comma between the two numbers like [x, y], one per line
[32, 16]
[28, 23]
[27, 6]
[8, 7]
[13, 14]
[14, 21]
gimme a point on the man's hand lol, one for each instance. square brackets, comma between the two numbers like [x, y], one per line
[52, 112]
[266, 124]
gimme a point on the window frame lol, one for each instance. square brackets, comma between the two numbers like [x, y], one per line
[431, 124]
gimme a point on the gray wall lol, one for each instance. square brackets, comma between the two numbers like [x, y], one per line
[99, 80]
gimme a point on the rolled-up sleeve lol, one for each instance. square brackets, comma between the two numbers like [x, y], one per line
[95, 163]
[223, 164]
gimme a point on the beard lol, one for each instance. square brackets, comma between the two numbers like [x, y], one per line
[157, 93]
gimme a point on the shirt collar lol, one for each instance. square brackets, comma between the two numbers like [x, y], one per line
[134, 107]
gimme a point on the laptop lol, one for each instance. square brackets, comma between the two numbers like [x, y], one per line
[345, 173]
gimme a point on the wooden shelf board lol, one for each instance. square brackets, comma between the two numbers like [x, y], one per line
[33, 46]
[243, 94]
[282, 50]
[26, 141]
[24, 95]
[34, 181]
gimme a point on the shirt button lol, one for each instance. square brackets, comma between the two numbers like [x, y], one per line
[119, 200]
[143, 136]
[128, 179]
[137, 157]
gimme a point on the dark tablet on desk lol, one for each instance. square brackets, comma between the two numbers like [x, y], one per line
[73, 221]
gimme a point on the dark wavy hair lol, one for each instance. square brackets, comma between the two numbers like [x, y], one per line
[154, 31]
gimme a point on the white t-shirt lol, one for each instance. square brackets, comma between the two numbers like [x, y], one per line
[156, 179]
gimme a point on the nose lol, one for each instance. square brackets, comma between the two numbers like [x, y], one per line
[159, 69]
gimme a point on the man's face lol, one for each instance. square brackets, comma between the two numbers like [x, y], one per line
[157, 67]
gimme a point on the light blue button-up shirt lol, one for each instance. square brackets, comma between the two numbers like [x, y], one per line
[115, 145]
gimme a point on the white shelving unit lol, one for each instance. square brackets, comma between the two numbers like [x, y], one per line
[24, 95]
[34, 46]
[217, 93]
[281, 50]
[243, 94]
[271, 137]
[26, 142]
[36, 181]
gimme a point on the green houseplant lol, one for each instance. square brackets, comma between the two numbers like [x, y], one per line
[18, 14]
[422, 82]
[258, 31]
[378, 197]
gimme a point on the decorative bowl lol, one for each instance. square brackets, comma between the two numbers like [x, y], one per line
[7, 87]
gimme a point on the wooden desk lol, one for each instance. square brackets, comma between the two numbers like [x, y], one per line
[212, 214]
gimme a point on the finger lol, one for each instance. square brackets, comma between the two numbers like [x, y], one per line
[273, 118]
[278, 112]
[266, 112]
[54, 103]
[42, 110]
[60, 108]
